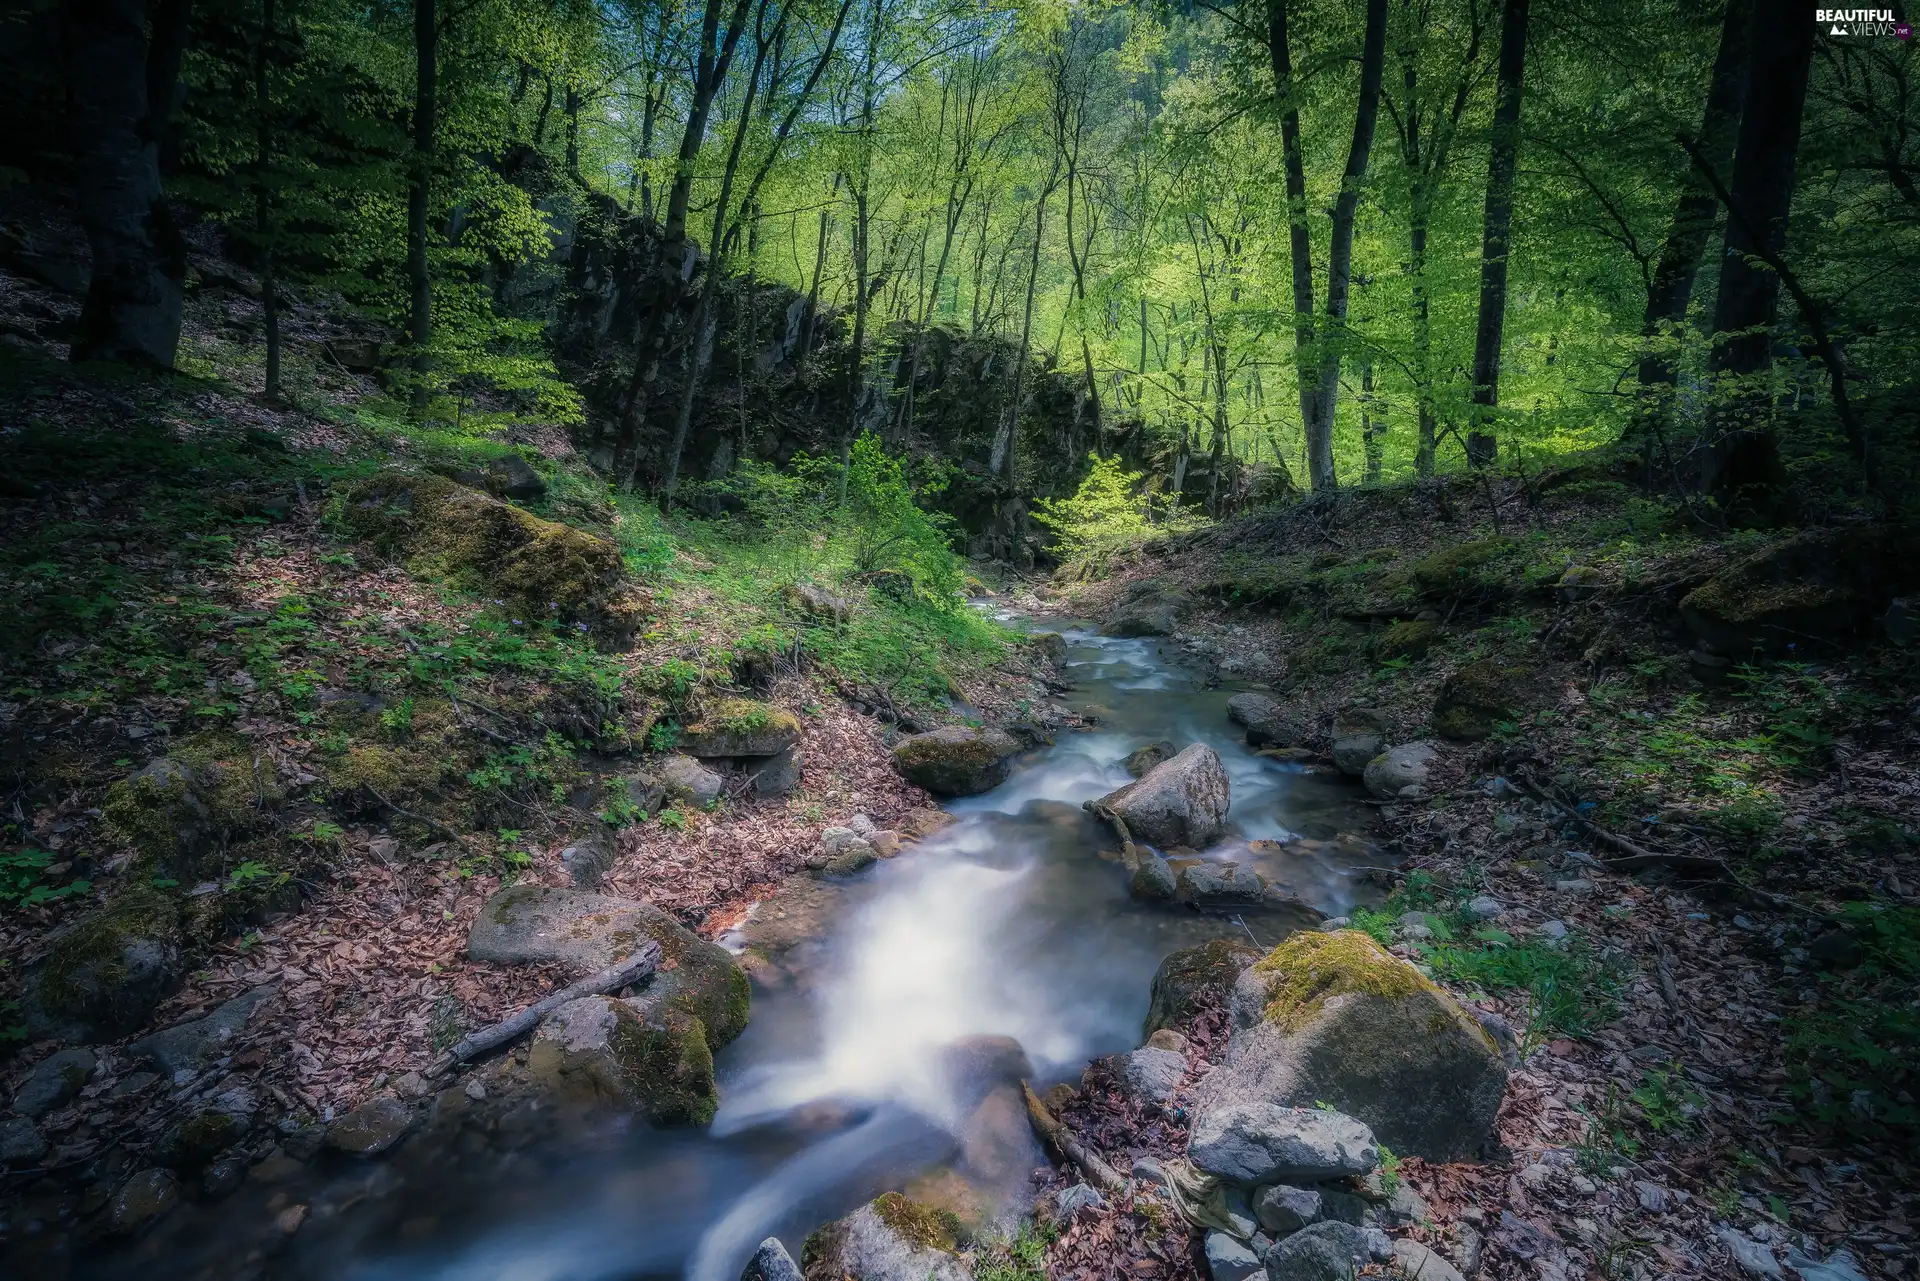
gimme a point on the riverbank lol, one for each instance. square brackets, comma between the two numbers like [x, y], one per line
[1665, 832]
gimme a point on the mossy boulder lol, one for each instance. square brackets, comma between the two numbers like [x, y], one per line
[740, 727]
[1333, 1018]
[1472, 566]
[101, 976]
[1478, 696]
[652, 1058]
[956, 761]
[180, 810]
[539, 568]
[1820, 586]
[1195, 979]
[891, 1238]
[536, 924]
[1408, 638]
[193, 1142]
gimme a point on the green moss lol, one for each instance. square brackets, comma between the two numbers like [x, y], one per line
[667, 1066]
[1310, 968]
[87, 979]
[1408, 638]
[920, 1225]
[537, 568]
[1460, 565]
[740, 727]
[197, 1140]
[185, 805]
[1477, 697]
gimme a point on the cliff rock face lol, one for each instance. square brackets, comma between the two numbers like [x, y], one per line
[777, 383]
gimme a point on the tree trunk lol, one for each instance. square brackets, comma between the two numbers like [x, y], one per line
[426, 47]
[121, 89]
[1373, 425]
[1740, 447]
[263, 200]
[1694, 214]
[1424, 443]
[1340, 254]
[1483, 445]
[1300, 242]
[1004, 446]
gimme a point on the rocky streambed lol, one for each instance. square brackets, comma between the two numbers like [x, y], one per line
[924, 1005]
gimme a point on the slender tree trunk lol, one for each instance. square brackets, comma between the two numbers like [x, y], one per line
[426, 48]
[1694, 214]
[1340, 254]
[1424, 443]
[572, 108]
[813, 290]
[263, 200]
[1299, 240]
[1373, 425]
[1740, 446]
[120, 85]
[1483, 445]
[1006, 445]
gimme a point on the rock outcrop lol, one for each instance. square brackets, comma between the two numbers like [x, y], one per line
[1358, 735]
[100, 977]
[1194, 979]
[740, 727]
[1268, 723]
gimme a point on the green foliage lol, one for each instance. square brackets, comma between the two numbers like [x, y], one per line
[674, 819]
[24, 880]
[1855, 1051]
[663, 737]
[1570, 992]
[1108, 512]
[1021, 1257]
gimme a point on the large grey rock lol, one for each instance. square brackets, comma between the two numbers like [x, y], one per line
[1222, 885]
[1151, 1076]
[816, 601]
[1323, 1252]
[54, 1081]
[956, 761]
[1359, 733]
[646, 1056]
[1154, 613]
[1248, 1141]
[1283, 1209]
[101, 976]
[371, 1128]
[1268, 723]
[1229, 1259]
[1182, 801]
[779, 774]
[888, 1239]
[1401, 771]
[1333, 1018]
[685, 779]
[740, 727]
[21, 1142]
[511, 476]
[535, 924]
[770, 1262]
[190, 1046]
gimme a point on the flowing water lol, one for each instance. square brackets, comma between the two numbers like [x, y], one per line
[1014, 921]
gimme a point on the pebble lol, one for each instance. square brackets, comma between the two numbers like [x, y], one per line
[1228, 1259]
[21, 1142]
[476, 1089]
[290, 1219]
[1484, 908]
[1573, 885]
[1553, 930]
[1584, 1186]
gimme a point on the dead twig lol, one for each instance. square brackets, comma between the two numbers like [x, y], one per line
[1633, 857]
[1057, 1136]
[422, 819]
[636, 967]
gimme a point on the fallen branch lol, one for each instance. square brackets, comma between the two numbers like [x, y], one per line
[1634, 857]
[1057, 1136]
[422, 819]
[636, 967]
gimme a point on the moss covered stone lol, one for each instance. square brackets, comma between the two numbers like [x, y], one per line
[956, 762]
[101, 976]
[740, 727]
[1478, 696]
[181, 809]
[1408, 638]
[920, 1225]
[479, 543]
[599, 1050]
[1463, 566]
[1822, 585]
[195, 1141]
[1309, 969]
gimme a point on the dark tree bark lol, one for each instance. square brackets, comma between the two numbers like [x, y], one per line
[426, 53]
[1320, 470]
[1739, 447]
[121, 85]
[263, 199]
[1694, 214]
[1482, 444]
[1373, 425]
[1299, 241]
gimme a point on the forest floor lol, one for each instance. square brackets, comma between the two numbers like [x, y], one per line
[1721, 1051]
[179, 584]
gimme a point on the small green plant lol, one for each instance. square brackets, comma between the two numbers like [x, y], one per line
[1668, 1102]
[1021, 1257]
[398, 719]
[24, 883]
[323, 832]
[1389, 1170]
[253, 872]
[663, 737]
[674, 819]
[1607, 1140]
[621, 811]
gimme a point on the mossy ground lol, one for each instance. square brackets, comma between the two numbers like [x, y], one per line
[1312, 968]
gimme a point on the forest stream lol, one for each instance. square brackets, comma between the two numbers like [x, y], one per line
[1013, 922]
